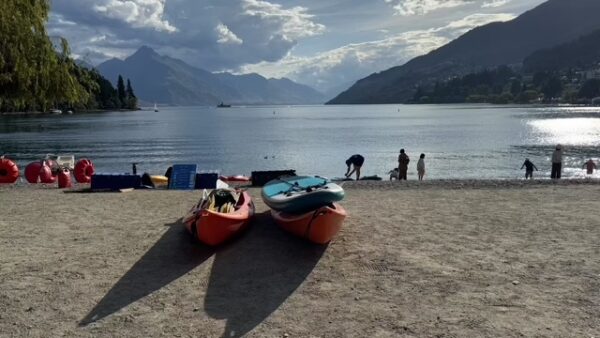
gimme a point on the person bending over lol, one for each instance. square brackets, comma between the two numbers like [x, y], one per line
[356, 162]
[529, 166]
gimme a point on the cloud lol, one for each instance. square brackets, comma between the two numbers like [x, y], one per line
[421, 7]
[294, 23]
[212, 34]
[138, 13]
[495, 3]
[226, 36]
[347, 64]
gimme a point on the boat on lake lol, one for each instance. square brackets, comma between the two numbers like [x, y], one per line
[223, 105]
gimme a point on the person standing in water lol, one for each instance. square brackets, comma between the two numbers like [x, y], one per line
[356, 161]
[556, 162]
[403, 161]
[590, 166]
[529, 166]
[421, 167]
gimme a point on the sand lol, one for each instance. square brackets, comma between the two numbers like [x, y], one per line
[445, 259]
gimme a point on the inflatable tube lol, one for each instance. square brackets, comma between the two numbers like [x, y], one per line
[84, 169]
[9, 172]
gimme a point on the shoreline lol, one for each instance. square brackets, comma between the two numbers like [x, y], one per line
[75, 112]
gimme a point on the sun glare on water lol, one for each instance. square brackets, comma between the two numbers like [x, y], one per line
[573, 131]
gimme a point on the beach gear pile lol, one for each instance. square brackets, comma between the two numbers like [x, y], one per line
[49, 170]
[306, 206]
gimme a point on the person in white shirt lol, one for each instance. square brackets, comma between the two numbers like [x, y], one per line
[421, 167]
[556, 162]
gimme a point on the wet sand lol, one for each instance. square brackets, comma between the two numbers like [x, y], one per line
[437, 259]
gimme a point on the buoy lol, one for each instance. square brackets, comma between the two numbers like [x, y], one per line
[64, 179]
[9, 172]
[84, 169]
[32, 172]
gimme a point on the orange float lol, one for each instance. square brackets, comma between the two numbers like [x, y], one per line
[84, 169]
[9, 172]
[319, 226]
[214, 222]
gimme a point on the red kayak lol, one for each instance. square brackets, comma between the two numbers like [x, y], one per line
[219, 216]
[319, 226]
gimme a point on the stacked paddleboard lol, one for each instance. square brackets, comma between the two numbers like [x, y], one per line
[306, 206]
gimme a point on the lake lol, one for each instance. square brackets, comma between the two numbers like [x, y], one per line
[460, 141]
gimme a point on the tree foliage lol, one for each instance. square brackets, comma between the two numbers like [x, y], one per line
[35, 73]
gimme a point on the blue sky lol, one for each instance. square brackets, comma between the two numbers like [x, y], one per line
[323, 43]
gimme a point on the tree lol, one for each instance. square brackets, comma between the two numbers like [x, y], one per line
[121, 92]
[590, 89]
[33, 75]
[131, 99]
[552, 88]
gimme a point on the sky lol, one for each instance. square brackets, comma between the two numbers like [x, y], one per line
[327, 44]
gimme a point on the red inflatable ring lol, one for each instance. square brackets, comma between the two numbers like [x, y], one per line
[9, 172]
[84, 169]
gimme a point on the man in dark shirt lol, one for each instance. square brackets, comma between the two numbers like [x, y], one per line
[529, 166]
[356, 161]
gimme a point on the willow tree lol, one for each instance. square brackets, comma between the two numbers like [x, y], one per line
[33, 73]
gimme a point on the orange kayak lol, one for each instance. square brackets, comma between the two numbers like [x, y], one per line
[319, 226]
[219, 216]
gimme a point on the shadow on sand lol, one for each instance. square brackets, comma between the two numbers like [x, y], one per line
[252, 277]
[171, 257]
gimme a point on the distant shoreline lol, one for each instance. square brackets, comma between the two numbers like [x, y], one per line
[75, 112]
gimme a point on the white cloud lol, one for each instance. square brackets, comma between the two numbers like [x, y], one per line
[294, 22]
[495, 3]
[137, 13]
[226, 36]
[421, 7]
[351, 62]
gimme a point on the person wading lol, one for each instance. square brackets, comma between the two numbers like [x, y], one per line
[556, 162]
[403, 161]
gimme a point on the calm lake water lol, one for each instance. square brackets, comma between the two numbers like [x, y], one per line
[460, 141]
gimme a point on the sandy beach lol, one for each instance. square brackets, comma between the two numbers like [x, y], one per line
[432, 259]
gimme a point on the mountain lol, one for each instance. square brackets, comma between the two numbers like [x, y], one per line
[583, 53]
[501, 43]
[167, 80]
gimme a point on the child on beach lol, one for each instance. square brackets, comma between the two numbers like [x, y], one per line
[590, 166]
[421, 167]
[529, 166]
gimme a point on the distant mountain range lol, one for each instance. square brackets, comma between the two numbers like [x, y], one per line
[550, 24]
[166, 80]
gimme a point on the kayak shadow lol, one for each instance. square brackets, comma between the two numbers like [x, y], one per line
[251, 278]
[171, 257]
